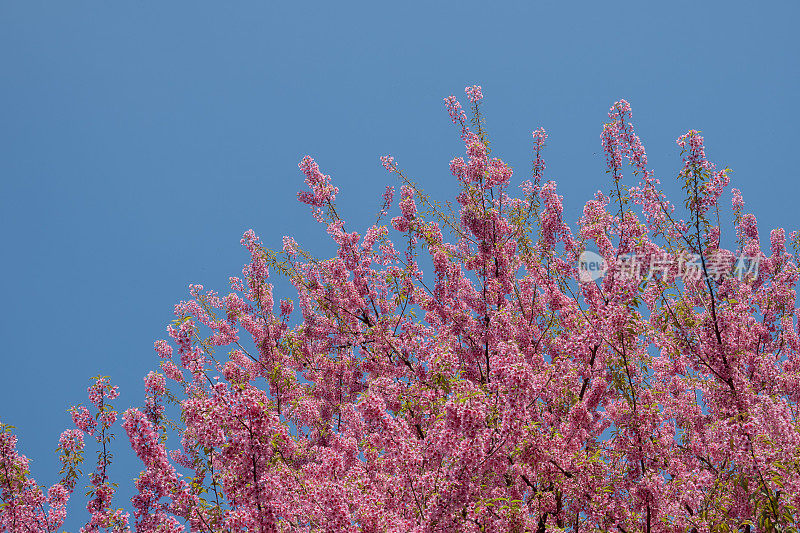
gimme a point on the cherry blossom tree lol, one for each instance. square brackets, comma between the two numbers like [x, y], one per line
[507, 388]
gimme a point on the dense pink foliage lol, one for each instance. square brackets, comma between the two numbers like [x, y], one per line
[498, 392]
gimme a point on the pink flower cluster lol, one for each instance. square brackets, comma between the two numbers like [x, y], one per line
[500, 391]
[474, 93]
[25, 506]
[322, 192]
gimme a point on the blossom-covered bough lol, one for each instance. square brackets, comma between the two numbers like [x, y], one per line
[500, 391]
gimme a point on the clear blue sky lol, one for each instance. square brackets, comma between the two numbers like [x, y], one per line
[138, 140]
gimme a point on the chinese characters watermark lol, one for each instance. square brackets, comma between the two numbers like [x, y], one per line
[688, 266]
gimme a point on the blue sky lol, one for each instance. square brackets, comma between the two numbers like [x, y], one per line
[138, 141]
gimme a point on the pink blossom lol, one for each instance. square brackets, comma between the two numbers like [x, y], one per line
[474, 93]
[498, 391]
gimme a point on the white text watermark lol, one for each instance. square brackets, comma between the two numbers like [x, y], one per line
[688, 266]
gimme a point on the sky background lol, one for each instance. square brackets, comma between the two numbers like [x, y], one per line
[139, 140]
